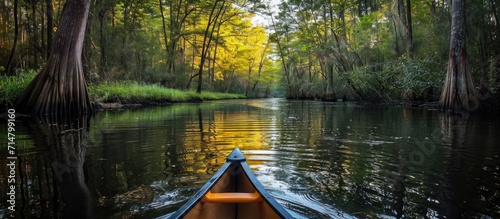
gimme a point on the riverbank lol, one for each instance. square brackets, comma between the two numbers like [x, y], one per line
[115, 94]
[131, 94]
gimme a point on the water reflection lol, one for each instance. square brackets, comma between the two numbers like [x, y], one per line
[54, 182]
[463, 194]
[319, 160]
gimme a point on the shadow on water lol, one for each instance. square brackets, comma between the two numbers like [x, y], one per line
[51, 168]
[467, 194]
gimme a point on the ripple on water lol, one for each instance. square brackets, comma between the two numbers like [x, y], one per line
[286, 183]
[319, 160]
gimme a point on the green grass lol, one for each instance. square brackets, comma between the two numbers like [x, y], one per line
[125, 92]
[132, 92]
[12, 86]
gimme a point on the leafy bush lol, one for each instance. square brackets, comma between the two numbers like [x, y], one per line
[388, 80]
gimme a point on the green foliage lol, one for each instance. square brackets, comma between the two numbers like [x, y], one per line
[12, 86]
[387, 80]
[128, 49]
[368, 47]
[364, 41]
[416, 74]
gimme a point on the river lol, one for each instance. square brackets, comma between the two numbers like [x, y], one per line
[319, 160]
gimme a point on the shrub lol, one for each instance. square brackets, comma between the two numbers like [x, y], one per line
[12, 86]
[389, 80]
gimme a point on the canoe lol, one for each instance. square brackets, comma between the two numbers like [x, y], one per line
[232, 192]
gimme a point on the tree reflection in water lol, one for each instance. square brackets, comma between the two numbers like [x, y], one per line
[455, 128]
[319, 159]
[63, 144]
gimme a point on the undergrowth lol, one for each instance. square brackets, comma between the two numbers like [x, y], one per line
[125, 92]
[12, 86]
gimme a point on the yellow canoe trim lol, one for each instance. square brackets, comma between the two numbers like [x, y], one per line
[232, 197]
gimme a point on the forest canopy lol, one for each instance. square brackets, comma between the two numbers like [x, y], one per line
[359, 50]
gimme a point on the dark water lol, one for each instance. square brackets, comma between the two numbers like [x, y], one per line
[319, 160]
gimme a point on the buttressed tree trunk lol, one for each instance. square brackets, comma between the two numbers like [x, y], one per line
[459, 92]
[60, 88]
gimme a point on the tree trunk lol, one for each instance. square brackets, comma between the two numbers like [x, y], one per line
[261, 66]
[329, 65]
[329, 93]
[409, 31]
[175, 32]
[179, 11]
[50, 25]
[207, 39]
[405, 19]
[35, 34]
[282, 58]
[396, 38]
[60, 87]
[16, 37]
[163, 25]
[103, 9]
[459, 92]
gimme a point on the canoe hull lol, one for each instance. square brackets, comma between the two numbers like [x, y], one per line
[233, 192]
